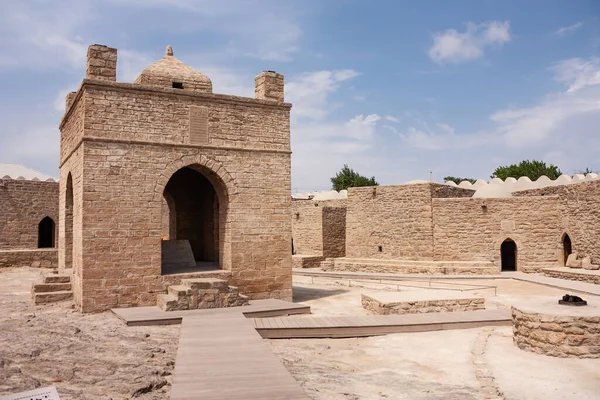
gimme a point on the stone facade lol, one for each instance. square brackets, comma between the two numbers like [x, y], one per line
[318, 231]
[120, 146]
[557, 336]
[28, 223]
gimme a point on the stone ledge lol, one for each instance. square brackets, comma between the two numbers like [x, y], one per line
[418, 302]
[565, 336]
[580, 275]
[35, 258]
[415, 267]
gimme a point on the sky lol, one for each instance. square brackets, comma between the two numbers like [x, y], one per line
[395, 89]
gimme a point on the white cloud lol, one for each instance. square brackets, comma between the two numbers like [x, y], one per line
[309, 92]
[393, 119]
[532, 125]
[457, 47]
[565, 29]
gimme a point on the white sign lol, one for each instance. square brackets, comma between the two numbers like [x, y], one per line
[47, 393]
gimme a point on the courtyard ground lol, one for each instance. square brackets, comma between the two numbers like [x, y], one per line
[96, 356]
[86, 356]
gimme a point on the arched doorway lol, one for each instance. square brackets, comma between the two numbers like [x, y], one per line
[567, 248]
[508, 253]
[46, 229]
[194, 208]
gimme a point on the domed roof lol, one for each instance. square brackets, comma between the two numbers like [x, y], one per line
[169, 72]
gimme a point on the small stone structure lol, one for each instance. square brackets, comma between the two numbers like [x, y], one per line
[581, 275]
[557, 330]
[201, 293]
[418, 302]
[54, 288]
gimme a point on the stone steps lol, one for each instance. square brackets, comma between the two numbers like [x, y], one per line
[54, 288]
[52, 297]
[201, 293]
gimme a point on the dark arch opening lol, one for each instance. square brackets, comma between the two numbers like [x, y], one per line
[508, 252]
[567, 248]
[69, 253]
[46, 229]
[196, 221]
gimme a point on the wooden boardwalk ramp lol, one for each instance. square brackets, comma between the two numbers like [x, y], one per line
[227, 359]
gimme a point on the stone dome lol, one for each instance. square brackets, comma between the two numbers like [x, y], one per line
[169, 72]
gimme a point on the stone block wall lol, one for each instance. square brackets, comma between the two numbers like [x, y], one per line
[578, 215]
[474, 229]
[35, 258]
[23, 204]
[319, 227]
[422, 306]
[134, 139]
[390, 222]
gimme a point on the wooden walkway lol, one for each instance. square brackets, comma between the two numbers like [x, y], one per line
[226, 359]
[138, 316]
[374, 325]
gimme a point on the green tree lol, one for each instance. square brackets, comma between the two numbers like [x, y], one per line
[586, 171]
[531, 169]
[347, 177]
[458, 180]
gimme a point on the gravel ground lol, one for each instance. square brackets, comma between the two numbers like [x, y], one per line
[86, 356]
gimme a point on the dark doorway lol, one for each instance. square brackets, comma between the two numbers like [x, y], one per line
[508, 252]
[567, 248]
[46, 233]
[194, 220]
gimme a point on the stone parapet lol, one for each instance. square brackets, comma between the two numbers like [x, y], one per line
[420, 302]
[567, 273]
[573, 336]
[36, 258]
[415, 267]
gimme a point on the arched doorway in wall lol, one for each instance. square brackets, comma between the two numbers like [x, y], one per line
[508, 254]
[567, 248]
[46, 230]
[69, 223]
[194, 208]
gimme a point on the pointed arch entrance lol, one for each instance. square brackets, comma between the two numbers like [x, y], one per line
[567, 248]
[194, 215]
[508, 254]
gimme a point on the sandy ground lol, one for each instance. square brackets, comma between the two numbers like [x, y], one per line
[429, 365]
[86, 356]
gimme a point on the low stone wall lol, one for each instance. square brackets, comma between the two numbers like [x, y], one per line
[36, 258]
[302, 261]
[422, 306]
[582, 276]
[415, 267]
[557, 336]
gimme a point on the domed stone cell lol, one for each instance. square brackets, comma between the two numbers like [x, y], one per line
[496, 181]
[479, 183]
[524, 183]
[492, 191]
[169, 72]
[465, 185]
[451, 183]
[543, 181]
[563, 180]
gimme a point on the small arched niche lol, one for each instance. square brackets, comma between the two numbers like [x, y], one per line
[567, 248]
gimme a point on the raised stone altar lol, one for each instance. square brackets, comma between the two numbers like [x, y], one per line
[417, 301]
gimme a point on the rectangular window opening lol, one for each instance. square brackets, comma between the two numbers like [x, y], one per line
[177, 85]
[380, 248]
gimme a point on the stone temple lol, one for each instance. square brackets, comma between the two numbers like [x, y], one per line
[162, 179]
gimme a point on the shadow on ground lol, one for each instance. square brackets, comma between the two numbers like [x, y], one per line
[302, 293]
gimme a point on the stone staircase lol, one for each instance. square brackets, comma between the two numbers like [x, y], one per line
[197, 293]
[54, 288]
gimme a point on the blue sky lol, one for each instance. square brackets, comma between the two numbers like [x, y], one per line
[395, 89]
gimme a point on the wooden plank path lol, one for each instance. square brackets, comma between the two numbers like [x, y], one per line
[139, 316]
[226, 359]
[373, 325]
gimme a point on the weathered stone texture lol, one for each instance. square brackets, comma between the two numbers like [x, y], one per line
[42, 258]
[557, 336]
[24, 203]
[319, 227]
[269, 85]
[390, 222]
[422, 306]
[578, 215]
[466, 230]
[101, 63]
[132, 141]
[572, 276]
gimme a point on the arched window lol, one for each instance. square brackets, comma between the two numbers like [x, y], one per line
[508, 253]
[46, 233]
[567, 248]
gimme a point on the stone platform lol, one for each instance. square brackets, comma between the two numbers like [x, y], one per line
[555, 330]
[413, 267]
[417, 302]
[572, 274]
